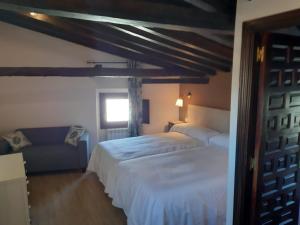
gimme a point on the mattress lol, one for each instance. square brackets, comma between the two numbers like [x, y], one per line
[177, 188]
[109, 153]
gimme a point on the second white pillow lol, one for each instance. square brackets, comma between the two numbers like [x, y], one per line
[195, 131]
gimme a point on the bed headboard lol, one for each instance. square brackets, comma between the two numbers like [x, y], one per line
[216, 119]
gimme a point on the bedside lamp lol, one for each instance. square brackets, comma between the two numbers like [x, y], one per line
[179, 102]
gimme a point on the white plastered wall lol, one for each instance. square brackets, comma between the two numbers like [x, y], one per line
[160, 96]
[55, 101]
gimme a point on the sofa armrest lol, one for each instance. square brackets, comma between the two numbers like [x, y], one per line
[83, 147]
[4, 147]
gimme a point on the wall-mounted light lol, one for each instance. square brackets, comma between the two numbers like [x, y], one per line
[189, 95]
[33, 13]
[179, 102]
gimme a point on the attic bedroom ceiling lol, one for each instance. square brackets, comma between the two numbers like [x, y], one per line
[186, 38]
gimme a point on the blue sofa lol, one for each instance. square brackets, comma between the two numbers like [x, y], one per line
[49, 152]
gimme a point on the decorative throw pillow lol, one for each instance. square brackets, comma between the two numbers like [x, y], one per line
[17, 140]
[74, 135]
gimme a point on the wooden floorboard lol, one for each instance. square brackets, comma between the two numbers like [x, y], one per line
[71, 199]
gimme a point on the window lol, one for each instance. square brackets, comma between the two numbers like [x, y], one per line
[114, 110]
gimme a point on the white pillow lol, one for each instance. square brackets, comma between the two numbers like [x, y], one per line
[17, 140]
[74, 135]
[181, 127]
[221, 140]
[195, 131]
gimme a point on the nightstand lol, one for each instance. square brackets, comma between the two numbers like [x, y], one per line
[13, 191]
[172, 123]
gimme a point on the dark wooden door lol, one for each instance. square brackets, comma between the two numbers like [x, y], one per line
[275, 192]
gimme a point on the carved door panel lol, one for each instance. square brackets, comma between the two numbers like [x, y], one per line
[275, 190]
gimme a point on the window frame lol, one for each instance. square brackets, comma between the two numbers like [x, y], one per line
[102, 111]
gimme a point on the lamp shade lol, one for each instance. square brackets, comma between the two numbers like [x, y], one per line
[179, 102]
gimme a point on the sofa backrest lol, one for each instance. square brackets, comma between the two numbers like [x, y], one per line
[46, 136]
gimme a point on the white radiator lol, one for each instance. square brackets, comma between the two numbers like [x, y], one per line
[111, 134]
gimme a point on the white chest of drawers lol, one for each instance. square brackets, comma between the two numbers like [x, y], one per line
[14, 208]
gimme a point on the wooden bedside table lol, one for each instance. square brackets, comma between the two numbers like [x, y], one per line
[172, 123]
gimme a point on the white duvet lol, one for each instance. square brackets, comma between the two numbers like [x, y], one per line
[109, 153]
[177, 188]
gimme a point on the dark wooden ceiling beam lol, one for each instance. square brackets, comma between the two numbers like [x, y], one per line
[187, 48]
[116, 72]
[199, 47]
[96, 71]
[177, 81]
[148, 48]
[54, 28]
[200, 42]
[129, 12]
[115, 40]
[175, 48]
[203, 5]
[210, 5]
[151, 47]
[221, 6]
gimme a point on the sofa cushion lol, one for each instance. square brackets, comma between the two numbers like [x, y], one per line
[46, 136]
[4, 147]
[50, 158]
[17, 140]
[48, 148]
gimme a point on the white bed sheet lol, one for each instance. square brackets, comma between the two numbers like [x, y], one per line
[177, 188]
[109, 153]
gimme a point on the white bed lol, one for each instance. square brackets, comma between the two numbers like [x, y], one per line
[173, 178]
[176, 188]
[109, 153]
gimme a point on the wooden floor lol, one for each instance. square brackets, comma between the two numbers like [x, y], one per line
[71, 199]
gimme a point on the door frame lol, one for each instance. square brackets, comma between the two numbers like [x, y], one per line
[248, 101]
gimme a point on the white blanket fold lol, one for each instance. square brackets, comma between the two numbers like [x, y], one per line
[109, 153]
